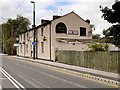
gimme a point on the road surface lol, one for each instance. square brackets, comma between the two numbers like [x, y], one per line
[19, 74]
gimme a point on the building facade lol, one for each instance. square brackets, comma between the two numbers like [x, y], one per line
[68, 32]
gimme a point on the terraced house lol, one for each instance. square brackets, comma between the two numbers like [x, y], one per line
[67, 32]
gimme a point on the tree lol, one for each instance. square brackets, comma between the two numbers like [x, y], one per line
[0, 38]
[98, 46]
[96, 36]
[19, 25]
[113, 17]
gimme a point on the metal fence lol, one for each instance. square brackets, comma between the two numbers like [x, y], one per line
[100, 60]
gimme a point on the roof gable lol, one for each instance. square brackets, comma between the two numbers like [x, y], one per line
[49, 22]
[69, 14]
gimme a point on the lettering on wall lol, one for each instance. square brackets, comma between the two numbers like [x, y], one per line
[61, 28]
[73, 32]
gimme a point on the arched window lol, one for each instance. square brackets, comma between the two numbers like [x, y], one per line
[61, 28]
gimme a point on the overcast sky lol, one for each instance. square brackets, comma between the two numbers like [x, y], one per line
[45, 9]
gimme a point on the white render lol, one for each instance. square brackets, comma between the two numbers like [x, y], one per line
[56, 41]
[112, 47]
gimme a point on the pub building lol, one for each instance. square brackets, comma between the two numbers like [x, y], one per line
[68, 32]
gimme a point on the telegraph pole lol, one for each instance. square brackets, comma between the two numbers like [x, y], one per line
[33, 26]
[12, 37]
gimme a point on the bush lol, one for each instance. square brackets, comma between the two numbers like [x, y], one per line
[98, 47]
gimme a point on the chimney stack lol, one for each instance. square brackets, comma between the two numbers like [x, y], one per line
[88, 21]
[56, 17]
[44, 21]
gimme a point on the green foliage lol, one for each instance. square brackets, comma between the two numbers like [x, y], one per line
[98, 47]
[96, 36]
[0, 36]
[18, 25]
[112, 16]
[8, 46]
[21, 25]
[113, 34]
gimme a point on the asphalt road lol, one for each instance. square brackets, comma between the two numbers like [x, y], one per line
[31, 75]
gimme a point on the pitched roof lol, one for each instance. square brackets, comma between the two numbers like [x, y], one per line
[70, 13]
[49, 21]
[59, 18]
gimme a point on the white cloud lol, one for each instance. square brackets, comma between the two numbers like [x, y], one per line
[91, 11]
[9, 8]
[87, 9]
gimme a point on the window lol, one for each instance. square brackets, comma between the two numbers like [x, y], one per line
[61, 28]
[21, 48]
[82, 31]
[27, 36]
[27, 47]
[42, 47]
[24, 37]
[41, 31]
[30, 47]
[21, 37]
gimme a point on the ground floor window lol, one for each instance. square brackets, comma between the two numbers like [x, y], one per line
[27, 47]
[42, 47]
[21, 48]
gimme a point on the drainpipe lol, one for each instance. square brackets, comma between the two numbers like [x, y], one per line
[50, 41]
[24, 50]
[36, 45]
[24, 44]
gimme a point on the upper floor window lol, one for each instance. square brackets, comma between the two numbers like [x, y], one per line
[27, 35]
[21, 37]
[24, 36]
[61, 28]
[82, 31]
[41, 31]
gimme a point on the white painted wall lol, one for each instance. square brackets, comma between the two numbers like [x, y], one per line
[112, 47]
[23, 50]
[46, 32]
[72, 21]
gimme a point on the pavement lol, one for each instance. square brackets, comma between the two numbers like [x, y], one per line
[108, 77]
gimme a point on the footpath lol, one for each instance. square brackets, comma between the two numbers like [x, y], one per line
[107, 77]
